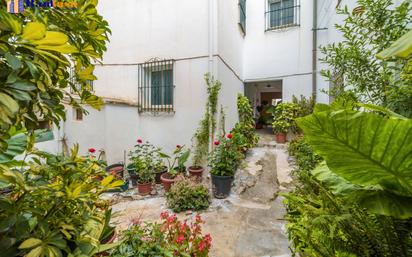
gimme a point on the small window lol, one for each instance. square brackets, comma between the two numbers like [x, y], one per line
[77, 114]
[155, 86]
[242, 15]
[44, 131]
[282, 13]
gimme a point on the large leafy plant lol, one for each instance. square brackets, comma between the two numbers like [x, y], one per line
[369, 152]
[145, 160]
[284, 117]
[52, 207]
[38, 50]
[176, 162]
[225, 158]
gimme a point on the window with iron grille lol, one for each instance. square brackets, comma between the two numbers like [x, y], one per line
[282, 14]
[155, 86]
[242, 15]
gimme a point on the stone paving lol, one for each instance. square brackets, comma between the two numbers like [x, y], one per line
[249, 223]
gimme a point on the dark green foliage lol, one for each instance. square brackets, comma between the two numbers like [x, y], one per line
[244, 134]
[322, 224]
[188, 195]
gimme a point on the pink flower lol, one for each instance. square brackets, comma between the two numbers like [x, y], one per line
[230, 136]
[171, 218]
[92, 150]
[139, 141]
[216, 143]
[164, 215]
[180, 239]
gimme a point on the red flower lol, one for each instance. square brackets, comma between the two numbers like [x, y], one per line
[178, 146]
[92, 150]
[217, 143]
[172, 218]
[164, 215]
[139, 141]
[230, 136]
[180, 239]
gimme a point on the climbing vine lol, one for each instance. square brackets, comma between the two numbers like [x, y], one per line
[205, 133]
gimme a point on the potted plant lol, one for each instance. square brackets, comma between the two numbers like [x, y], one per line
[196, 170]
[223, 162]
[280, 128]
[145, 177]
[176, 166]
[145, 164]
[284, 120]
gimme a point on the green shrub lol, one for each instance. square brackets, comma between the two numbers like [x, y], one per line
[244, 131]
[306, 159]
[187, 195]
[284, 117]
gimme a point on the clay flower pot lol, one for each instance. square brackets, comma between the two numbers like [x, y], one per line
[196, 172]
[168, 181]
[116, 170]
[281, 138]
[144, 189]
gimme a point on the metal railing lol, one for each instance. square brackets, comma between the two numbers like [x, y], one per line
[278, 18]
[155, 86]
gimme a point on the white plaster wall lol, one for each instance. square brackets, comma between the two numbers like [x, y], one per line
[280, 54]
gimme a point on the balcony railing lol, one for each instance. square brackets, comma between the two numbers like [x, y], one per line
[155, 86]
[283, 17]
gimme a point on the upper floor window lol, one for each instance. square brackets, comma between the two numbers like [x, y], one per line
[242, 15]
[282, 13]
[155, 86]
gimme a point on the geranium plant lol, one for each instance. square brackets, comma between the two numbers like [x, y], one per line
[145, 159]
[169, 238]
[224, 159]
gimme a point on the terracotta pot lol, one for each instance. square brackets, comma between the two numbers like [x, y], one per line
[196, 171]
[167, 181]
[116, 170]
[281, 138]
[158, 174]
[144, 189]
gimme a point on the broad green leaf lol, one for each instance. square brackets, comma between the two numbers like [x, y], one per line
[384, 203]
[36, 252]
[337, 184]
[400, 48]
[364, 148]
[34, 31]
[23, 85]
[13, 61]
[52, 38]
[106, 181]
[64, 49]
[9, 103]
[30, 243]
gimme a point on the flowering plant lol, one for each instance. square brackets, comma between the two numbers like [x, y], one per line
[176, 163]
[145, 159]
[224, 159]
[169, 238]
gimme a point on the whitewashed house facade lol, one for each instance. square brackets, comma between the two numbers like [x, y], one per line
[152, 76]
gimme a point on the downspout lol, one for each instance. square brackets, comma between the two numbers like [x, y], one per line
[211, 37]
[314, 49]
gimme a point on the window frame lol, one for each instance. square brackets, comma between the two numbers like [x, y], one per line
[146, 102]
[281, 11]
[242, 15]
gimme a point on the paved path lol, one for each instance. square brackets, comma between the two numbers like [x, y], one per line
[248, 223]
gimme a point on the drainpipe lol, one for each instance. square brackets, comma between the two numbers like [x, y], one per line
[211, 36]
[315, 49]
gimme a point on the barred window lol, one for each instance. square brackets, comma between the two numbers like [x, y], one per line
[76, 86]
[282, 13]
[155, 86]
